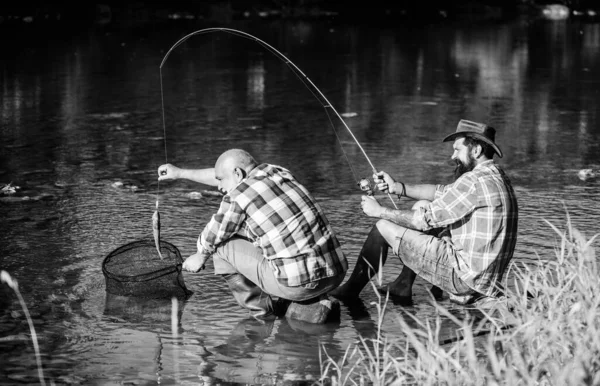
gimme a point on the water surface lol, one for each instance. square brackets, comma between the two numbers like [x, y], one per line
[82, 135]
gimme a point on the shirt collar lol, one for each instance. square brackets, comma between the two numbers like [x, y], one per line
[485, 164]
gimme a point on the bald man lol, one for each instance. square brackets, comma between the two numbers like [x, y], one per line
[268, 238]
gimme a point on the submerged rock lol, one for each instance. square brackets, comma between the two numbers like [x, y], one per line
[9, 188]
[194, 195]
[586, 174]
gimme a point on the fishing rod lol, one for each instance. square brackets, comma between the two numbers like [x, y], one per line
[364, 183]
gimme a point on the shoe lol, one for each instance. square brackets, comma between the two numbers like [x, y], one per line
[318, 310]
[464, 300]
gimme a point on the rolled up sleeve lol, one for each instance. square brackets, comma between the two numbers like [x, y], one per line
[452, 203]
[225, 223]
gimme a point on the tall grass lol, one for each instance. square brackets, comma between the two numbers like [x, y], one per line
[546, 331]
[12, 283]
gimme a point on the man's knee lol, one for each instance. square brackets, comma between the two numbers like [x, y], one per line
[222, 266]
[419, 204]
[387, 229]
[390, 232]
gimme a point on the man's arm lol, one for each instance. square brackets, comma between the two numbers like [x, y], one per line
[417, 191]
[401, 217]
[387, 184]
[203, 176]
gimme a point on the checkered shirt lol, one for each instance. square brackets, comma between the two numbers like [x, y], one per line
[480, 211]
[278, 215]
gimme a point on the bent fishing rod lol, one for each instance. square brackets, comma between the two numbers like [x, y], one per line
[363, 183]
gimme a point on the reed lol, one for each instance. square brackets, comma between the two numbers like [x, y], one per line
[12, 283]
[545, 332]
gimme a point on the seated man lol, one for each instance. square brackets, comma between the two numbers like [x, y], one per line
[478, 214]
[269, 237]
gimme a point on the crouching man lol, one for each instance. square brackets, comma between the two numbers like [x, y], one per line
[268, 238]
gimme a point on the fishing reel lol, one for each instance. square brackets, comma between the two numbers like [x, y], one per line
[365, 186]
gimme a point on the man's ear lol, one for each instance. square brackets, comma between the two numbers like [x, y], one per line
[240, 173]
[477, 151]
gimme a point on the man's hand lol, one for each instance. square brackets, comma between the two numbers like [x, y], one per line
[371, 207]
[384, 182]
[195, 262]
[168, 172]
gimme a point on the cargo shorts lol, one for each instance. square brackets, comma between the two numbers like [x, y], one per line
[433, 259]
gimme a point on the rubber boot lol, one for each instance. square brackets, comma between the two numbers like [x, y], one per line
[372, 255]
[400, 290]
[250, 296]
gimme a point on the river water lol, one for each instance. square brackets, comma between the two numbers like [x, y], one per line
[82, 135]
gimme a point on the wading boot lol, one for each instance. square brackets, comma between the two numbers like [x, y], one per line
[250, 296]
[370, 260]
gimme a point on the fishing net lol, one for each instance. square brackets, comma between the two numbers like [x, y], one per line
[135, 269]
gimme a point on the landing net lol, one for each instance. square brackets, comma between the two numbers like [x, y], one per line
[135, 269]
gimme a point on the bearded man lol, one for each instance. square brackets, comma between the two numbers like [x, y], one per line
[459, 237]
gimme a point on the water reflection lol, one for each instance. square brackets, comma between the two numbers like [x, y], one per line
[139, 310]
[271, 352]
[78, 123]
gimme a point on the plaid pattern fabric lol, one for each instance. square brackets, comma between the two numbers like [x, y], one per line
[278, 214]
[480, 211]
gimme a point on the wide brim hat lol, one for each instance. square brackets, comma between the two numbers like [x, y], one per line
[476, 130]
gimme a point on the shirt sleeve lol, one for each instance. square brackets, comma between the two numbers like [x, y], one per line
[225, 223]
[451, 204]
[440, 190]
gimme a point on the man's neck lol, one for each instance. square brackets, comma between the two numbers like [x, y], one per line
[481, 160]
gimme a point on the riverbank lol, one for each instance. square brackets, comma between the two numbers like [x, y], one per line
[135, 14]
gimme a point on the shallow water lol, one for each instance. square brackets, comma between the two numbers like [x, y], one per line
[82, 135]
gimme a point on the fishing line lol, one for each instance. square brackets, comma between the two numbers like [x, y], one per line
[299, 74]
[156, 214]
[164, 137]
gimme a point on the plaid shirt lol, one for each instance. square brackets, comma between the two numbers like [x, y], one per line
[278, 215]
[480, 211]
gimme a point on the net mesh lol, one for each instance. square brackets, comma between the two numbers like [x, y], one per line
[135, 269]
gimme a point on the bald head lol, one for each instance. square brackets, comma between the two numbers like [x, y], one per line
[232, 167]
[236, 158]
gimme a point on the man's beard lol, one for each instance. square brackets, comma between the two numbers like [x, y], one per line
[461, 168]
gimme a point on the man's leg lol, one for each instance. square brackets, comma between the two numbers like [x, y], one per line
[430, 258]
[242, 278]
[249, 295]
[372, 255]
[252, 281]
[402, 287]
